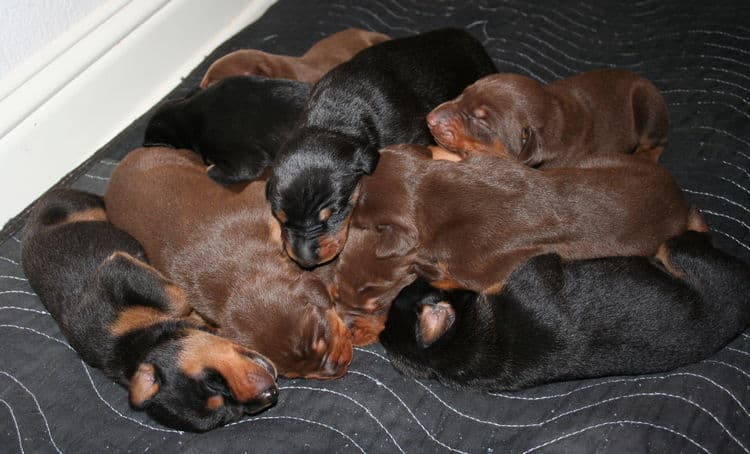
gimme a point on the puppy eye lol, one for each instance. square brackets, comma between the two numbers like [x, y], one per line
[325, 214]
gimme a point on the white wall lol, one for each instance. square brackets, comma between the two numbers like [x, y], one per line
[26, 26]
[128, 52]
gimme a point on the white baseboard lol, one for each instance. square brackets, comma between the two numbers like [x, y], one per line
[103, 75]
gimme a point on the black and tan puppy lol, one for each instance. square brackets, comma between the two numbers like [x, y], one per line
[379, 97]
[125, 318]
[237, 124]
[555, 125]
[559, 320]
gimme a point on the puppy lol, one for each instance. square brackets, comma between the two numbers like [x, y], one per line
[223, 246]
[128, 320]
[237, 125]
[377, 98]
[469, 224]
[558, 320]
[602, 111]
[362, 285]
[318, 60]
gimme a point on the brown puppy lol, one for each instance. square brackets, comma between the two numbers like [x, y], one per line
[607, 110]
[318, 60]
[469, 224]
[223, 246]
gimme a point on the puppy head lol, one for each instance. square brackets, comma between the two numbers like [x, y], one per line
[297, 328]
[363, 284]
[168, 127]
[498, 115]
[312, 191]
[197, 381]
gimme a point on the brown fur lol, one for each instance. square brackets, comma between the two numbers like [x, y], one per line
[555, 125]
[217, 244]
[310, 67]
[471, 223]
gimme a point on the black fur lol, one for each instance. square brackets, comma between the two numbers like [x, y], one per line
[69, 266]
[561, 321]
[237, 124]
[380, 97]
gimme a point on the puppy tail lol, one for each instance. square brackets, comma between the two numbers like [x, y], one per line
[63, 205]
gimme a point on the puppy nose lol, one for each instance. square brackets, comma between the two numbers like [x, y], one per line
[265, 399]
[270, 396]
[433, 118]
[306, 254]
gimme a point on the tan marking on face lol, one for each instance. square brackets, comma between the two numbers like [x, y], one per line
[281, 216]
[215, 402]
[90, 215]
[274, 231]
[329, 246]
[201, 351]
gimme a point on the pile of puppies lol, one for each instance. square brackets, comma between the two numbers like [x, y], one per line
[492, 232]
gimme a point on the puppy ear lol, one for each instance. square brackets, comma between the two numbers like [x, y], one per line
[434, 321]
[395, 241]
[133, 281]
[143, 385]
[365, 159]
[529, 153]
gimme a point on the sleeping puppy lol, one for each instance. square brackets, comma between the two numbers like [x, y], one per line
[223, 246]
[310, 67]
[555, 125]
[362, 285]
[558, 320]
[237, 125]
[125, 318]
[469, 224]
[379, 97]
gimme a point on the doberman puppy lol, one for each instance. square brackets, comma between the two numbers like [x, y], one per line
[555, 125]
[236, 125]
[469, 224]
[377, 98]
[223, 246]
[310, 67]
[558, 320]
[125, 318]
